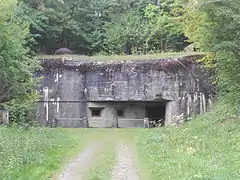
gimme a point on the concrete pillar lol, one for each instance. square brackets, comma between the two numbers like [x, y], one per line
[4, 117]
[115, 118]
[171, 110]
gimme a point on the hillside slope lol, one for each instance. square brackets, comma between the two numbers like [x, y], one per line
[200, 149]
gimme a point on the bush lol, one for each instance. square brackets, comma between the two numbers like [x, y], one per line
[22, 110]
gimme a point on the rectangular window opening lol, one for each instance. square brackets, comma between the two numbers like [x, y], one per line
[120, 113]
[96, 112]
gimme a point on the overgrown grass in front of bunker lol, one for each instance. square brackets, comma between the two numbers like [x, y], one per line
[204, 148]
[38, 152]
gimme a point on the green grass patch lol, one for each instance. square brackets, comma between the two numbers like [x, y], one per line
[204, 148]
[121, 57]
[103, 162]
[39, 153]
[197, 150]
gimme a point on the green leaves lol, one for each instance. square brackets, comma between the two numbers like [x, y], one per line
[126, 34]
[166, 30]
[106, 26]
[16, 64]
[5, 8]
[214, 26]
[149, 29]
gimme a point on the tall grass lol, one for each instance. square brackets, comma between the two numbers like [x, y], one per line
[204, 148]
[36, 153]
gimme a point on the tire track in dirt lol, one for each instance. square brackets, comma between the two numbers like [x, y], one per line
[124, 169]
[76, 168]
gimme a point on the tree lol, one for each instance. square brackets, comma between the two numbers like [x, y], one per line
[214, 26]
[104, 26]
[126, 34]
[164, 23]
[16, 82]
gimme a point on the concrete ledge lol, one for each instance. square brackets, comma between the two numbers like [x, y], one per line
[130, 123]
[71, 122]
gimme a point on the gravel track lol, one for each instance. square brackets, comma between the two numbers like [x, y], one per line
[76, 168]
[124, 169]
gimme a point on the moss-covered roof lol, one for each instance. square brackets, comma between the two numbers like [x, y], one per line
[169, 64]
[120, 57]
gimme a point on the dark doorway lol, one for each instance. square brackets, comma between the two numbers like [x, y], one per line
[156, 112]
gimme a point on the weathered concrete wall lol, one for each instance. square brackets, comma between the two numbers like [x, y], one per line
[70, 122]
[133, 113]
[107, 116]
[70, 88]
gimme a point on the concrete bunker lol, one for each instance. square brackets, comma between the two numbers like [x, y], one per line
[125, 114]
[121, 93]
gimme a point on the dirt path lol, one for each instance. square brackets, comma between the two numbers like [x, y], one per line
[124, 169]
[76, 168]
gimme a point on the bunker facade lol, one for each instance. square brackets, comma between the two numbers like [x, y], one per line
[121, 93]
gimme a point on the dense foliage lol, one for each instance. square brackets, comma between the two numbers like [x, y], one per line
[106, 26]
[30, 27]
[213, 26]
[16, 82]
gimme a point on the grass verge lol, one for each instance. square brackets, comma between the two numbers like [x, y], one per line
[200, 149]
[103, 163]
[38, 153]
